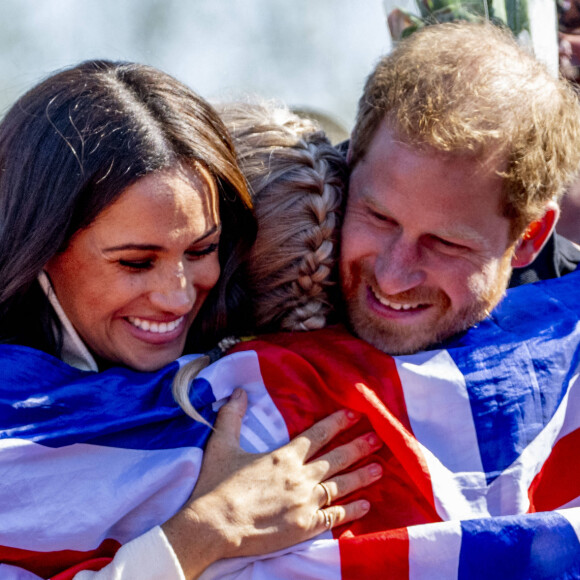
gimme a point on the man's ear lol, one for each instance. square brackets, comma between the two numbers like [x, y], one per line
[533, 239]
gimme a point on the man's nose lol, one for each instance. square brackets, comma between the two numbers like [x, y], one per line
[399, 267]
[174, 292]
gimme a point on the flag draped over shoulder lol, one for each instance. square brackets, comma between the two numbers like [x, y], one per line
[481, 478]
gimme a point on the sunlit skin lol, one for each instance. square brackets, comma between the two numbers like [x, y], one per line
[134, 280]
[425, 251]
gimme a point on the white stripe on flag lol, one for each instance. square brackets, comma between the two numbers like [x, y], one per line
[572, 420]
[264, 427]
[317, 559]
[106, 492]
[439, 408]
[440, 414]
[434, 547]
[232, 371]
[573, 517]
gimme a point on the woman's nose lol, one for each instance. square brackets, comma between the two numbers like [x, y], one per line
[174, 292]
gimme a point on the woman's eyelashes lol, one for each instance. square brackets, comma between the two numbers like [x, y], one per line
[139, 265]
[197, 254]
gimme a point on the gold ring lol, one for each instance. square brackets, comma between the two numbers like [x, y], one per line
[327, 520]
[328, 500]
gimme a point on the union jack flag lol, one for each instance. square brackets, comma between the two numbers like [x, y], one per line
[481, 478]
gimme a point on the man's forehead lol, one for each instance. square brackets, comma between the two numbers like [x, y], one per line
[388, 139]
[390, 152]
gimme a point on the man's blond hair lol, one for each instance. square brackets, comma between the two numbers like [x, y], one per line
[469, 89]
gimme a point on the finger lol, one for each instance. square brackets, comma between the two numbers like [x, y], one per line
[324, 517]
[336, 515]
[345, 455]
[342, 485]
[327, 497]
[316, 437]
[228, 423]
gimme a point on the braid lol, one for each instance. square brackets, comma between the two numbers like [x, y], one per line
[297, 180]
[315, 268]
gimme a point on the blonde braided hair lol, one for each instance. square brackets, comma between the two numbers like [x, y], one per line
[297, 179]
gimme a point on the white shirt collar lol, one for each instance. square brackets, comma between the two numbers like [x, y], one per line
[74, 351]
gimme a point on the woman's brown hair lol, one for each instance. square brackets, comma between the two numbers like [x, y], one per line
[69, 148]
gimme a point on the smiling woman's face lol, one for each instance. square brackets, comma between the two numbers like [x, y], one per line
[134, 280]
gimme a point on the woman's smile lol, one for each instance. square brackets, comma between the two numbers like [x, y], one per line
[156, 327]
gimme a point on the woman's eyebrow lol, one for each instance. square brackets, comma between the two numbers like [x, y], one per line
[155, 248]
[148, 247]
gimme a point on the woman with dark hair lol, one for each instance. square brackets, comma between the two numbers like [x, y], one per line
[124, 220]
[74, 143]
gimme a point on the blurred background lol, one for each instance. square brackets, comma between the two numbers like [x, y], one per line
[312, 54]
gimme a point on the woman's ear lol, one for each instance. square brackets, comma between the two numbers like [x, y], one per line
[535, 236]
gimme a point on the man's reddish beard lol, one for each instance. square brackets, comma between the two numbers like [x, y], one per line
[399, 339]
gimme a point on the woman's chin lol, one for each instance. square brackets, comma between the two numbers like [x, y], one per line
[143, 356]
[153, 361]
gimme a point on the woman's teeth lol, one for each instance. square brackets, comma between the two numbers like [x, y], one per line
[157, 327]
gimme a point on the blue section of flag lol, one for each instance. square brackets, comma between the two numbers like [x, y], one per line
[46, 401]
[260, 432]
[515, 376]
[534, 546]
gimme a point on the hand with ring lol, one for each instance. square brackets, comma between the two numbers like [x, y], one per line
[246, 504]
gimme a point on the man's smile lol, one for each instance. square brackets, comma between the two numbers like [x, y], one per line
[405, 306]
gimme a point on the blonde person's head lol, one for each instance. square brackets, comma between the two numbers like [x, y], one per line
[297, 180]
[469, 89]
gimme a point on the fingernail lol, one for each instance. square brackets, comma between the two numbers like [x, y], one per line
[373, 439]
[365, 506]
[352, 416]
[236, 394]
[375, 470]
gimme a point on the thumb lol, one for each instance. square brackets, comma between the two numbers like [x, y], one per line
[228, 423]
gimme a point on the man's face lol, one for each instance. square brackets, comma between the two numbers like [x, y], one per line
[425, 250]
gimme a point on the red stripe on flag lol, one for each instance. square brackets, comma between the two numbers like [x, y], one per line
[315, 372]
[310, 375]
[380, 555]
[60, 565]
[558, 482]
[93, 565]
